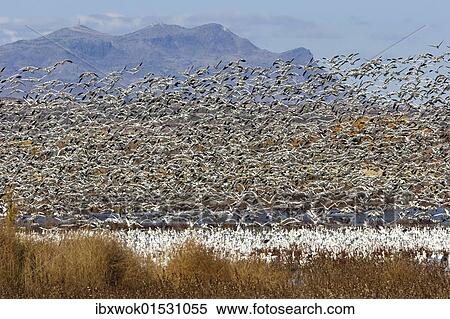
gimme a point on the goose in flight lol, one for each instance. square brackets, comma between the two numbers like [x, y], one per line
[436, 46]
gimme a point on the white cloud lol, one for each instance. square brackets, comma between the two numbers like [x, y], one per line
[4, 20]
[10, 35]
[114, 23]
[113, 15]
[13, 29]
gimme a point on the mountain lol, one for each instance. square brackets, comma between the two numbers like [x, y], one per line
[163, 49]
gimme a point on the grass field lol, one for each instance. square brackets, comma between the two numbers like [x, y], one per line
[101, 267]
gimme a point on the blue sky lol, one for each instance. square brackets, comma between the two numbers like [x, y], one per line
[325, 27]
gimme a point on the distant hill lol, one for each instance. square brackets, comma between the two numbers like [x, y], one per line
[163, 49]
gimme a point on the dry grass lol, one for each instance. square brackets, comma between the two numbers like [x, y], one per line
[10, 204]
[99, 267]
[395, 276]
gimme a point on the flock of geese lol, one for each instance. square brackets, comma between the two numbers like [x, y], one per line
[300, 244]
[340, 139]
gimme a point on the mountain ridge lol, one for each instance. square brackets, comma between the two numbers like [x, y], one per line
[164, 49]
